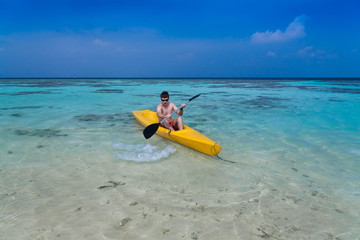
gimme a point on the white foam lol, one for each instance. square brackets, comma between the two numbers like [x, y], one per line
[142, 152]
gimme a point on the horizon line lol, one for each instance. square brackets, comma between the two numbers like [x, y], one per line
[315, 78]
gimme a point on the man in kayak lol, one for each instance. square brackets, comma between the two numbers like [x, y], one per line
[164, 110]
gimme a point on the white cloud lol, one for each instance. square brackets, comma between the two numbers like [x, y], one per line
[100, 42]
[295, 30]
[306, 52]
[271, 54]
[311, 52]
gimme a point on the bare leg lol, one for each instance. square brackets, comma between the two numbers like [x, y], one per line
[179, 123]
[167, 125]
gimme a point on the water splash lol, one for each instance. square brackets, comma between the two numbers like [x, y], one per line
[142, 152]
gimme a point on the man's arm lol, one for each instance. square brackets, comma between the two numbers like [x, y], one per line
[180, 111]
[158, 112]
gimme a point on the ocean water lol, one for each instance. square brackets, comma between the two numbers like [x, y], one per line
[75, 165]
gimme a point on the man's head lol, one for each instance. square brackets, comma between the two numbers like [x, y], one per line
[164, 96]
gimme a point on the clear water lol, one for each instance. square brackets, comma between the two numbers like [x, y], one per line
[75, 165]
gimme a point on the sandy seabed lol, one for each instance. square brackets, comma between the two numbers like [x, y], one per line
[186, 196]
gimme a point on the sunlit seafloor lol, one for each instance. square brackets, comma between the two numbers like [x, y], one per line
[75, 165]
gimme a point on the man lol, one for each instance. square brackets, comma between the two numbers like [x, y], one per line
[164, 110]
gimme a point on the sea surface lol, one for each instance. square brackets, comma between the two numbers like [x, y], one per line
[74, 163]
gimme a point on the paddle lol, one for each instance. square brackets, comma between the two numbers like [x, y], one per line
[152, 128]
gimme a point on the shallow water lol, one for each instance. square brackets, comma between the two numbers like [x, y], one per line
[74, 163]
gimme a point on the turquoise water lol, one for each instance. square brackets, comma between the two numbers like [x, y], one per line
[294, 144]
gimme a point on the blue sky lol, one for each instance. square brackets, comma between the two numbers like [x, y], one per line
[173, 38]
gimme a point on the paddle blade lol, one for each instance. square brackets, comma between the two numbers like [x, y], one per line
[194, 97]
[151, 130]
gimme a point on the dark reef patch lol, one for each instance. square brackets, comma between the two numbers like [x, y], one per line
[251, 83]
[88, 117]
[21, 107]
[16, 115]
[344, 90]
[100, 85]
[335, 100]
[210, 106]
[263, 102]
[110, 91]
[43, 83]
[109, 120]
[40, 133]
[30, 93]
[145, 95]
[332, 89]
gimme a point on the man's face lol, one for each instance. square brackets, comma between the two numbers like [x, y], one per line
[165, 101]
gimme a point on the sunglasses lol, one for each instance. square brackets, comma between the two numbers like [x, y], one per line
[164, 99]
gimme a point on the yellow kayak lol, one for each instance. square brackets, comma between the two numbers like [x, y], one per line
[188, 136]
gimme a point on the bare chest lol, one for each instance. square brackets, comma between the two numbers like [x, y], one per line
[166, 110]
